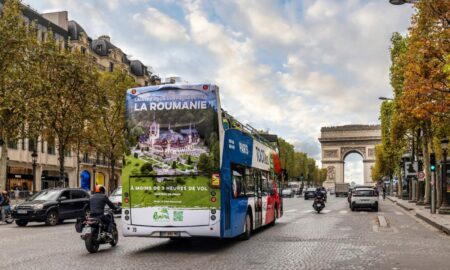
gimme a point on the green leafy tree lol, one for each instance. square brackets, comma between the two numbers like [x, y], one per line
[16, 42]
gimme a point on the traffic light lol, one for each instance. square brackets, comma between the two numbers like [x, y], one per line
[432, 162]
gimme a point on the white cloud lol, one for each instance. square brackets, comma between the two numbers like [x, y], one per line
[158, 25]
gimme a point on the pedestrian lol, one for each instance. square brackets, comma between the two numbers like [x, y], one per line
[16, 193]
[384, 192]
[2, 211]
[5, 204]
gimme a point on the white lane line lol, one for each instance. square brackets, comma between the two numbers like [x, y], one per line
[399, 213]
[362, 212]
[309, 211]
[326, 211]
[343, 212]
[290, 211]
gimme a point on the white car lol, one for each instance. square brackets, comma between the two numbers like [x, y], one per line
[287, 192]
[364, 198]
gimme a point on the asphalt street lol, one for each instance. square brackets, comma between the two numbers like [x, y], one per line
[302, 239]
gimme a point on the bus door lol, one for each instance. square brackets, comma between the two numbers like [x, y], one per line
[258, 198]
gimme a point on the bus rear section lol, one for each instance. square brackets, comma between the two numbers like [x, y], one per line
[171, 182]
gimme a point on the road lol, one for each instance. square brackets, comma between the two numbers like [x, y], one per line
[301, 239]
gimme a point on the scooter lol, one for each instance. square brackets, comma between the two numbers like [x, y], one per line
[319, 204]
[8, 217]
[94, 232]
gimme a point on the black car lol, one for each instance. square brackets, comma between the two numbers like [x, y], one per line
[52, 206]
[310, 193]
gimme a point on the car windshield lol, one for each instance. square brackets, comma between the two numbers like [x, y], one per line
[46, 195]
[117, 192]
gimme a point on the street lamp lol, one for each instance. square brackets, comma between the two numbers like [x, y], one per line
[445, 207]
[401, 2]
[34, 157]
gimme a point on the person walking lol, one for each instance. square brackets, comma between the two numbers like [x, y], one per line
[384, 192]
[2, 212]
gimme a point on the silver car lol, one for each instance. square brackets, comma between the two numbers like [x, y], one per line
[116, 197]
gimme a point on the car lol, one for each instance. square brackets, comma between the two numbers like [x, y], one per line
[364, 198]
[310, 193]
[116, 198]
[52, 206]
[287, 192]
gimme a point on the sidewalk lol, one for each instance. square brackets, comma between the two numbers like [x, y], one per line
[441, 222]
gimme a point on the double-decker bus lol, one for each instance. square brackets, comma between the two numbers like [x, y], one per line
[192, 170]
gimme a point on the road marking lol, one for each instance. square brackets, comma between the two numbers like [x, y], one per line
[399, 213]
[343, 212]
[309, 211]
[290, 211]
[362, 212]
[326, 211]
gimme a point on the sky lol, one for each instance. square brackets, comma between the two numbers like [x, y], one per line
[286, 66]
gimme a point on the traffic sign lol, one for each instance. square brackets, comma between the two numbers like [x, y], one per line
[421, 176]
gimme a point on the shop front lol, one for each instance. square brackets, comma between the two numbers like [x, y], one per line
[19, 178]
[50, 179]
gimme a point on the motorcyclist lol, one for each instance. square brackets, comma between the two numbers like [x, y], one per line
[97, 204]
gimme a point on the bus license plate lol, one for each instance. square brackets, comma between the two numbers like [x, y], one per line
[169, 234]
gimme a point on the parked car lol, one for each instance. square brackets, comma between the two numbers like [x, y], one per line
[310, 193]
[287, 192]
[116, 198]
[52, 206]
[364, 198]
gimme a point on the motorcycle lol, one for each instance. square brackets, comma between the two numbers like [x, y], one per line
[8, 216]
[319, 204]
[94, 232]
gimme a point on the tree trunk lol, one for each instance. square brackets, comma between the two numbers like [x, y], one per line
[426, 165]
[61, 148]
[78, 162]
[3, 164]
[113, 164]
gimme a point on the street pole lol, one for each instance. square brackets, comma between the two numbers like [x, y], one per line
[433, 193]
[34, 156]
[445, 207]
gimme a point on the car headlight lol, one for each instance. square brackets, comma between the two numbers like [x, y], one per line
[38, 206]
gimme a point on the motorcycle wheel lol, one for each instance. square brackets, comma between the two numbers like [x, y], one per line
[91, 243]
[115, 237]
[9, 220]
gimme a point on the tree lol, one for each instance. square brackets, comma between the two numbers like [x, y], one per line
[69, 81]
[16, 43]
[107, 121]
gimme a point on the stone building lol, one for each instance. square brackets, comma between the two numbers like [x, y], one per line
[108, 57]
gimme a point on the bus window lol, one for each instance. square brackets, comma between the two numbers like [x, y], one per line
[249, 183]
[238, 187]
[265, 183]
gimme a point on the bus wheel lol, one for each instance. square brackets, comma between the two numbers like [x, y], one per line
[248, 227]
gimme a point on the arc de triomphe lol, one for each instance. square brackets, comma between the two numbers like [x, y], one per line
[337, 142]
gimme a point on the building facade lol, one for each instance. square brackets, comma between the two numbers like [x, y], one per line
[89, 168]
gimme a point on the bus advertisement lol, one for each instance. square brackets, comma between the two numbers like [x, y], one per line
[186, 175]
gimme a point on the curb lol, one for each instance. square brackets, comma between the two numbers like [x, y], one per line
[433, 223]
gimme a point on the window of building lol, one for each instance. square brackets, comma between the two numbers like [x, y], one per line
[32, 145]
[42, 36]
[12, 144]
[51, 146]
[23, 143]
[146, 83]
[85, 157]
[68, 153]
[83, 50]
[111, 66]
